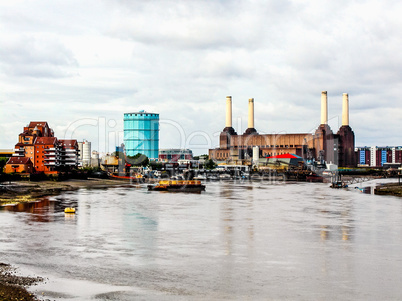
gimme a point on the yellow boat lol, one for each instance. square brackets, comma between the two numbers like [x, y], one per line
[178, 186]
[69, 210]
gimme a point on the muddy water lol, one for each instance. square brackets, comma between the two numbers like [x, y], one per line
[255, 241]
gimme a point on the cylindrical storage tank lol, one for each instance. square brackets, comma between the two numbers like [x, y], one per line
[256, 154]
[141, 134]
[95, 159]
[86, 153]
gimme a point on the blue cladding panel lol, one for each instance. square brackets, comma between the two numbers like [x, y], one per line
[383, 157]
[141, 134]
[362, 157]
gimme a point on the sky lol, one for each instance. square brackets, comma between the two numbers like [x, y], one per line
[80, 65]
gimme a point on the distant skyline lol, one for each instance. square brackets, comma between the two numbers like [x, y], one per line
[80, 65]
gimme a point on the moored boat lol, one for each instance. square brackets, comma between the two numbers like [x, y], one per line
[178, 186]
[338, 184]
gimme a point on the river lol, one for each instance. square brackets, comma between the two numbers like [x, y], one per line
[243, 241]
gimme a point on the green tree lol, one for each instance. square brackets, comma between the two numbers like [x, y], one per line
[155, 165]
[138, 160]
[3, 161]
[210, 164]
[118, 155]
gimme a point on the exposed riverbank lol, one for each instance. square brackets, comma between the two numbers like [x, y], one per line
[21, 191]
[389, 189]
[13, 286]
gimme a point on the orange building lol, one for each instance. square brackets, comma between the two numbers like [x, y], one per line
[19, 164]
[46, 153]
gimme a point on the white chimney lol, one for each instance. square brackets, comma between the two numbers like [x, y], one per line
[345, 109]
[229, 111]
[324, 108]
[251, 113]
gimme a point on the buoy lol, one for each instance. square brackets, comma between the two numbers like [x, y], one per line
[69, 210]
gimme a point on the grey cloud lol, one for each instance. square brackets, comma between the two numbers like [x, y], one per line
[37, 57]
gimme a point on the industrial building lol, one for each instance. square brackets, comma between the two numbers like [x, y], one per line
[377, 156]
[141, 134]
[174, 155]
[84, 158]
[38, 146]
[337, 148]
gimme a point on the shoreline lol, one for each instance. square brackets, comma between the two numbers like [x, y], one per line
[393, 189]
[12, 193]
[14, 286]
[25, 192]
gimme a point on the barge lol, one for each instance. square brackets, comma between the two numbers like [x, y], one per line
[178, 186]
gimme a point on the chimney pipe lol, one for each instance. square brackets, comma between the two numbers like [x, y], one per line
[345, 109]
[324, 108]
[251, 113]
[228, 111]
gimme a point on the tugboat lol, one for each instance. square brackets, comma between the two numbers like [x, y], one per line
[339, 184]
[178, 186]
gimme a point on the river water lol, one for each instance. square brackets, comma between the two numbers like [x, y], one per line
[243, 241]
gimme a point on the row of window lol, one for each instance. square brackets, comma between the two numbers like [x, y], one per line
[226, 155]
[267, 146]
[144, 114]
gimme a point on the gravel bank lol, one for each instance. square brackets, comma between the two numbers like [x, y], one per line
[13, 286]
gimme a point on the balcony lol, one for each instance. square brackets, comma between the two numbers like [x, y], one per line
[70, 150]
[51, 159]
[50, 154]
[50, 164]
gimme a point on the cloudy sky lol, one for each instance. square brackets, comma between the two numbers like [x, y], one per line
[81, 64]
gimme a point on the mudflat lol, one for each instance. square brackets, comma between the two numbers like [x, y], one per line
[23, 191]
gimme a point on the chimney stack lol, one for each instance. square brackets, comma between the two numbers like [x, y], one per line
[251, 113]
[324, 108]
[345, 109]
[228, 111]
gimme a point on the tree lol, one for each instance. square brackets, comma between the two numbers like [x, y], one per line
[210, 164]
[156, 165]
[118, 155]
[3, 161]
[138, 160]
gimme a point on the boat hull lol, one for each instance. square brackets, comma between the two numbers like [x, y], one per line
[178, 186]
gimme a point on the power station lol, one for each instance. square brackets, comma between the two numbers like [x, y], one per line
[324, 145]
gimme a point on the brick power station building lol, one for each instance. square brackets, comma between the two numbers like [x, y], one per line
[338, 148]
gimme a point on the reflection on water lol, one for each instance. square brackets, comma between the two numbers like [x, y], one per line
[235, 241]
